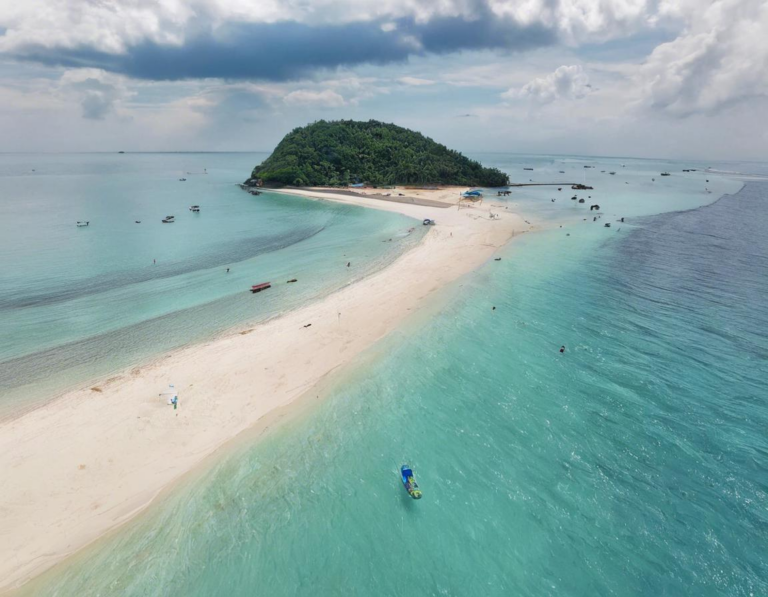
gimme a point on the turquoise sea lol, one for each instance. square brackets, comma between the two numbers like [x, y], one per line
[634, 463]
[77, 304]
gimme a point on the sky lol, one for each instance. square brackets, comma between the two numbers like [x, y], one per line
[681, 79]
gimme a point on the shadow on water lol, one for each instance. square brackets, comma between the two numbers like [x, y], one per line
[224, 253]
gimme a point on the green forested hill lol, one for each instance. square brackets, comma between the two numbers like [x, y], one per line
[346, 152]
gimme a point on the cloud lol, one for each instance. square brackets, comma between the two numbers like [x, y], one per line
[415, 81]
[278, 51]
[567, 82]
[322, 99]
[721, 59]
[97, 92]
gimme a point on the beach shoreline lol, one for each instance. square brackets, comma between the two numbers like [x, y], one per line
[106, 455]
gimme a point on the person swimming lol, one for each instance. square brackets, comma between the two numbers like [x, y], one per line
[562, 349]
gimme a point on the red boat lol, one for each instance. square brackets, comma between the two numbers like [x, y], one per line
[259, 287]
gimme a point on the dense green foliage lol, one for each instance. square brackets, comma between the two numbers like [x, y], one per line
[346, 152]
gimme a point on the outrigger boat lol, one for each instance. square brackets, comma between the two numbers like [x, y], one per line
[410, 482]
[259, 287]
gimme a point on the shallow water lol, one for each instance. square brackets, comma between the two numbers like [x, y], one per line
[80, 303]
[632, 464]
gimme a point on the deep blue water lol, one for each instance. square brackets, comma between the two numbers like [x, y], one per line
[633, 464]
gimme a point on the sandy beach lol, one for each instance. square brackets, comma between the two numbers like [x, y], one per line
[93, 458]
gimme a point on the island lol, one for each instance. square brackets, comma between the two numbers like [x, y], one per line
[348, 152]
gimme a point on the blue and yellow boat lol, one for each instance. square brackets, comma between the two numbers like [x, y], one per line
[410, 482]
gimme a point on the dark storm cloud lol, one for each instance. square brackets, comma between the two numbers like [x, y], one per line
[284, 51]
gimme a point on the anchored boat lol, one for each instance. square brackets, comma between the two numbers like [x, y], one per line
[410, 482]
[259, 287]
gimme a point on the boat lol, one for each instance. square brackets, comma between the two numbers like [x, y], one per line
[562, 171]
[169, 220]
[665, 174]
[82, 224]
[409, 482]
[527, 168]
[259, 287]
[611, 173]
[428, 222]
[194, 208]
[182, 179]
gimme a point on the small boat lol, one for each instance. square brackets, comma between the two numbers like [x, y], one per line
[611, 173]
[527, 168]
[409, 482]
[665, 174]
[82, 224]
[292, 281]
[259, 287]
[182, 179]
[562, 171]
[194, 208]
[428, 222]
[169, 220]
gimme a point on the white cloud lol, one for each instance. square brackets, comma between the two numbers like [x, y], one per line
[322, 99]
[415, 81]
[567, 82]
[720, 59]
